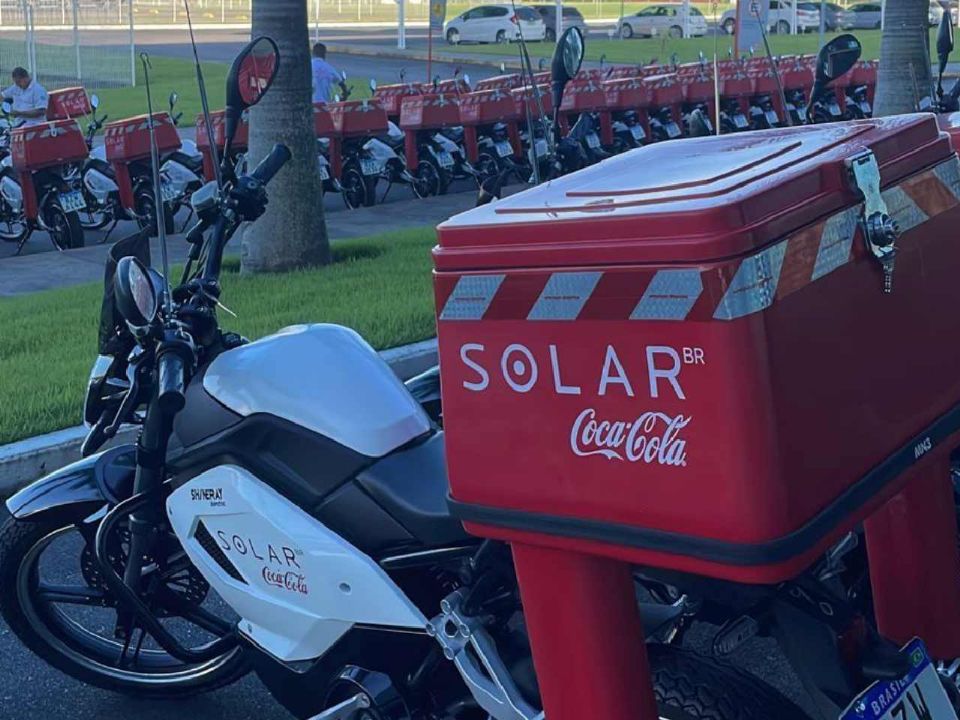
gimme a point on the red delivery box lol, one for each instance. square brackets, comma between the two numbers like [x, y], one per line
[390, 96]
[664, 89]
[500, 82]
[485, 107]
[583, 96]
[358, 117]
[48, 144]
[524, 98]
[129, 139]
[698, 368]
[240, 140]
[430, 111]
[67, 103]
[323, 121]
[626, 93]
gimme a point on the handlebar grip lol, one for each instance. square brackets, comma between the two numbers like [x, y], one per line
[171, 382]
[272, 163]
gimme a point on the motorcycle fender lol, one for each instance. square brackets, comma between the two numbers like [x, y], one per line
[104, 478]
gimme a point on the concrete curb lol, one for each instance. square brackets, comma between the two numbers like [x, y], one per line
[422, 55]
[214, 26]
[24, 461]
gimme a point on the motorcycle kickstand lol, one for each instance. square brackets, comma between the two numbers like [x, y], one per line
[23, 241]
[386, 192]
[110, 231]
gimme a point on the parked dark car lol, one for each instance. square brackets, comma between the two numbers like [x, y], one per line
[571, 18]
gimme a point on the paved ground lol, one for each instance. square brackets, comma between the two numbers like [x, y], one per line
[43, 268]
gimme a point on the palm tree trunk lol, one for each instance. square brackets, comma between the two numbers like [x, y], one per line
[904, 57]
[293, 232]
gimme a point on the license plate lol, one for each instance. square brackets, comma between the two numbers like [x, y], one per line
[72, 201]
[673, 130]
[504, 148]
[445, 159]
[771, 116]
[593, 141]
[370, 166]
[637, 132]
[740, 120]
[918, 696]
[865, 107]
[802, 114]
[168, 192]
[324, 173]
[834, 109]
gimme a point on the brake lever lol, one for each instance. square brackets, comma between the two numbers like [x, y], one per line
[126, 406]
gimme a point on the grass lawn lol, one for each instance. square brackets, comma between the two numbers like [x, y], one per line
[642, 50]
[380, 286]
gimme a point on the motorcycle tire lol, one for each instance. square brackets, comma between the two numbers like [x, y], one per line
[79, 654]
[688, 686]
[432, 180]
[66, 232]
[13, 225]
[143, 206]
[358, 189]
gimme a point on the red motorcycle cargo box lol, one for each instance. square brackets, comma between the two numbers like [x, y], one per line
[698, 368]
[323, 121]
[626, 93]
[129, 139]
[583, 96]
[358, 117]
[240, 140]
[524, 96]
[500, 82]
[664, 89]
[68, 103]
[48, 144]
[485, 107]
[698, 89]
[430, 111]
[735, 85]
[390, 96]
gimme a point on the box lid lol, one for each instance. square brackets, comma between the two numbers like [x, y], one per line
[696, 200]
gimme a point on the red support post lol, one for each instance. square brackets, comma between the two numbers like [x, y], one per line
[587, 639]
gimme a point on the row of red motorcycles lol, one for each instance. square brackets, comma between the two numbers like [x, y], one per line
[428, 135]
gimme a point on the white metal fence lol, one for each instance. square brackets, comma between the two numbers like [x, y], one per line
[45, 36]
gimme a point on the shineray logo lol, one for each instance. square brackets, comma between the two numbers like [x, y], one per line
[214, 496]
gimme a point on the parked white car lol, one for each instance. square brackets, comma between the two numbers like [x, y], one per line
[660, 20]
[496, 24]
[780, 19]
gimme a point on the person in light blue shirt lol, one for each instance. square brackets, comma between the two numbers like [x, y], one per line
[325, 76]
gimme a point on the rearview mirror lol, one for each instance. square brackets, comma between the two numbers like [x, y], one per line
[944, 45]
[373, 85]
[836, 58]
[173, 99]
[94, 101]
[567, 59]
[541, 64]
[466, 79]
[251, 75]
[503, 68]
[137, 296]
[403, 74]
[6, 107]
[343, 75]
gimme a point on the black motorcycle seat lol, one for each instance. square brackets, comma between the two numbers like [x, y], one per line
[411, 485]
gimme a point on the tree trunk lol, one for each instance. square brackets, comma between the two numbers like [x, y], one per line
[293, 232]
[904, 76]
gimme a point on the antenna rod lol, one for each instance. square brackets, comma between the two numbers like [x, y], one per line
[159, 209]
[773, 65]
[203, 101]
[525, 65]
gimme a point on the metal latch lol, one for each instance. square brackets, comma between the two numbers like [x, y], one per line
[880, 231]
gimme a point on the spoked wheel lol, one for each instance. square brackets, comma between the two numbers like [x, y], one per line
[53, 596]
[65, 230]
[144, 206]
[13, 225]
[358, 191]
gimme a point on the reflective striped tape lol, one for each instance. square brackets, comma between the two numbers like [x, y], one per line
[726, 291]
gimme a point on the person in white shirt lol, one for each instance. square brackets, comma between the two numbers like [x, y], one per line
[28, 97]
[325, 76]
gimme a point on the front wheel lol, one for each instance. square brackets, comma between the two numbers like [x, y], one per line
[783, 27]
[688, 686]
[501, 37]
[54, 598]
[729, 26]
[626, 31]
[430, 179]
[358, 189]
[144, 206]
[676, 32]
[550, 35]
[64, 227]
[453, 36]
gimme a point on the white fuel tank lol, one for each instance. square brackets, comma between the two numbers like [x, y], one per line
[325, 378]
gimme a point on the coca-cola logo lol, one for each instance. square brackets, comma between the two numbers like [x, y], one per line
[653, 438]
[289, 580]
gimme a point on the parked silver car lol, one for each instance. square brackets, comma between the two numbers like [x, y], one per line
[661, 20]
[780, 19]
[861, 16]
[571, 18]
[495, 24]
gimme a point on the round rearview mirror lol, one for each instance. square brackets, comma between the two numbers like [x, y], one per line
[343, 75]
[837, 57]
[541, 64]
[603, 61]
[944, 39]
[373, 85]
[568, 55]
[173, 99]
[137, 296]
[252, 73]
[503, 68]
[7, 107]
[94, 101]
[403, 74]
[466, 79]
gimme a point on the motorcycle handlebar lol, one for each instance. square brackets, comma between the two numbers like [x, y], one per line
[271, 164]
[171, 381]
